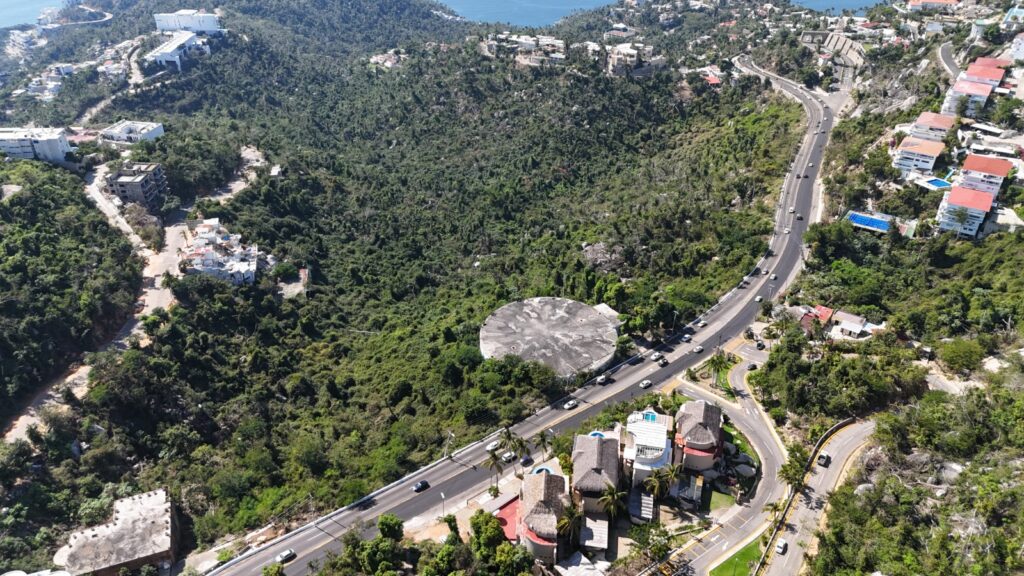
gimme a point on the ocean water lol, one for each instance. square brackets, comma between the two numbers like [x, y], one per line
[15, 12]
[521, 12]
[837, 6]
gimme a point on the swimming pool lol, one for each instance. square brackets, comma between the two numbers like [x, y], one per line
[939, 183]
[542, 470]
[869, 222]
[596, 435]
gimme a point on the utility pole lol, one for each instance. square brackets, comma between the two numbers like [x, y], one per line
[447, 444]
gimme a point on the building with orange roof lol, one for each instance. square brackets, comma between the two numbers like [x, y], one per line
[932, 126]
[984, 74]
[917, 154]
[985, 173]
[990, 62]
[975, 93]
[963, 210]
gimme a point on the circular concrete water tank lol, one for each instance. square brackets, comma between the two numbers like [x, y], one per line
[568, 336]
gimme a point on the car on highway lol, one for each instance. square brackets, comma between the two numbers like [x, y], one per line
[492, 446]
[663, 362]
[526, 460]
[646, 384]
[773, 277]
[698, 349]
[686, 338]
[602, 380]
[286, 556]
[792, 209]
[799, 216]
[781, 546]
[421, 486]
[760, 345]
[824, 459]
[786, 231]
[702, 323]
[759, 299]
[508, 457]
[765, 272]
[656, 356]
[751, 367]
[570, 404]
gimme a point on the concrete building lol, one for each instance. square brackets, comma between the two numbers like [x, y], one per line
[932, 5]
[975, 93]
[542, 498]
[963, 210]
[932, 126]
[916, 154]
[568, 336]
[217, 253]
[984, 173]
[647, 445]
[138, 182]
[989, 75]
[187, 20]
[1017, 47]
[143, 532]
[46, 144]
[595, 465]
[180, 46]
[698, 434]
[130, 132]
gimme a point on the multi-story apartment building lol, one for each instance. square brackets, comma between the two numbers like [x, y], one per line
[917, 154]
[46, 144]
[976, 94]
[188, 20]
[963, 210]
[985, 173]
[130, 132]
[932, 126]
[141, 183]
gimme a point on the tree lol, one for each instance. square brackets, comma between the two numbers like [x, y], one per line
[512, 560]
[717, 363]
[494, 463]
[653, 541]
[570, 524]
[774, 508]
[961, 355]
[613, 501]
[792, 472]
[487, 535]
[543, 441]
[275, 569]
[391, 527]
[656, 483]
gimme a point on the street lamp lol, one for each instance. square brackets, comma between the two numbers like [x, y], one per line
[442, 504]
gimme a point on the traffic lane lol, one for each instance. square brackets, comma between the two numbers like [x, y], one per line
[810, 504]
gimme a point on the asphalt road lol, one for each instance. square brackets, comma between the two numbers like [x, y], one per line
[463, 476]
[810, 503]
[946, 57]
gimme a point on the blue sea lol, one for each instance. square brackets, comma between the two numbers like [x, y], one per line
[546, 12]
[15, 12]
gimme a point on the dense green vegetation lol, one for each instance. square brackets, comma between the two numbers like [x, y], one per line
[67, 280]
[914, 519]
[422, 199]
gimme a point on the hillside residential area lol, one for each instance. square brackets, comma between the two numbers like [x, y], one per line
[368, 287]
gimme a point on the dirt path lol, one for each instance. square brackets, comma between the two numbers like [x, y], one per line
[154, 295]
[245, 174]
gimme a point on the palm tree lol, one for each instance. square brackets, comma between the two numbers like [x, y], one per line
[494, 463]
[655, 484]
[613, 501]
[543, 441]
[717, 363]
[511, 442]
[570, 524]
[773, 508]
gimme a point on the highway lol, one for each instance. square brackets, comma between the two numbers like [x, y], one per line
[462, 476]
[806, 512]
[946, 57]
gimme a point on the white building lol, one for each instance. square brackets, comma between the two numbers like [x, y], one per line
[128, 131]
[976, 94]
[217, 253]
[647, 444]
[990, 75]
[932, 5]
[1017, 48]
[189, 21]
[180, 45]
[46, 144]
[963, 210]
[917, 154]
[932, 126]
[985, 173]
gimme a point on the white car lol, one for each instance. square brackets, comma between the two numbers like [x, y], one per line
[492, 446]
[656, 356]
[810, 164]
[773, 277]
[702, 323]
[285, 556]
[646, 384]
[602, 380]
[698, 349]
[508, 457]
[786, 231]
[792, 209]
[570, 404]
[781, 546]
[759, 299]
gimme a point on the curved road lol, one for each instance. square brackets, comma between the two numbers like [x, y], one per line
[462, 476]
[948, 62]
[803, 519]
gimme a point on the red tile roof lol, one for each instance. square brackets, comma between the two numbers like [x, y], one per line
[986, 72]
[968, 198]
[972, 88]
[925, 147]
[933, 120]
[824, 313]
[988, 165]
[508, 517]
[712, 80]
[993, 62]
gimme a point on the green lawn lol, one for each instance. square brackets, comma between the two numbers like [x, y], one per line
[719, 500]
[733, 436]
[741, 562]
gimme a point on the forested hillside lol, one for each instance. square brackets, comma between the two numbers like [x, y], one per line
[422, 198]
[67, 280]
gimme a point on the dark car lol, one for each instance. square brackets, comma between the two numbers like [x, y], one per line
[824, 459]
[760, 345]
[421, 486]
[526, 460]
[751, 366]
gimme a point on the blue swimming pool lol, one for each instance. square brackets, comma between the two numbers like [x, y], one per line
[939, 183]
[597, 435]
[865, 221]
[542, 470]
